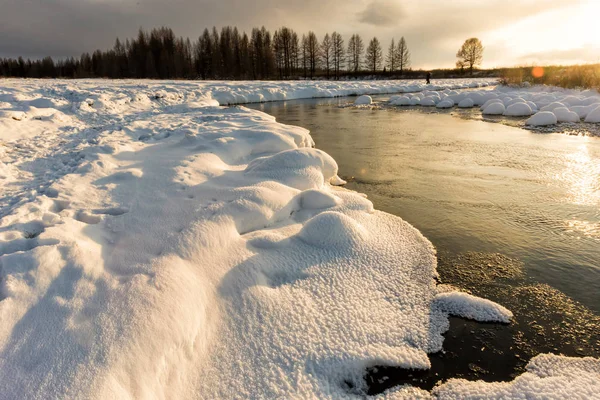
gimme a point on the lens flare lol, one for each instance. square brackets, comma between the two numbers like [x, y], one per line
[537, 72]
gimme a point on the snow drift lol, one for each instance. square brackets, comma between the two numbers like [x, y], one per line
[156, 245]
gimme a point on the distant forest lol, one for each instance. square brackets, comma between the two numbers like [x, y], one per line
[227, 54]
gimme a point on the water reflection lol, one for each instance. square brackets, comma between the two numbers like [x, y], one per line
[471, 185]
[582, 173]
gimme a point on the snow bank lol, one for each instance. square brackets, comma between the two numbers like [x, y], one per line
[566, 105]
[156, 245]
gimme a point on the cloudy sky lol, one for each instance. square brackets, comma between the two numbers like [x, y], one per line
[513, 32]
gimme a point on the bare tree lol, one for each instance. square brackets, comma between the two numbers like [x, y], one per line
[326, 53]
[391, 56]
[402, 55]
[305, 57]
[313, 52]
[338, 52]
[471, 53]
[355, 50]
[374, 55]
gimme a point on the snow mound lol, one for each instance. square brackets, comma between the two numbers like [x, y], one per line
[363, 100]
[494, 109]
[466, 103]
[446, 103]
[564, 115]
[593, 116]
[519, 109]
[542, 118]
[428, 102]
[298, 168]
[333, 230]
[552, 106]
[401, 101]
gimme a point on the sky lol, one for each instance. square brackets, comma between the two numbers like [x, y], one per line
[523, 32]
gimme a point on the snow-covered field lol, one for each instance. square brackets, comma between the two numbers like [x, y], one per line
[544, 105]
[154, 244]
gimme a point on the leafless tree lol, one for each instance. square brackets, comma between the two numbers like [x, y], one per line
[391, 57]
[374, 55]
[313, 52]
[402, 55]
[326, 53]
[355, 50]
[338, 52]
[471, 53]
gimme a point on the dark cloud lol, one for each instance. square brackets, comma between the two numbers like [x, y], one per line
[382, 13]
[434, 29]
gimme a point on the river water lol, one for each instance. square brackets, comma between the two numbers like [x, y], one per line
[514, 215]
[472, 185]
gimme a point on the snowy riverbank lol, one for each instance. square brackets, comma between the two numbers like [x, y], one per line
[539, 105]
[156, 245]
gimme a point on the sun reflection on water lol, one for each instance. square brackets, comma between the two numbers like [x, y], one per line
[582, 176]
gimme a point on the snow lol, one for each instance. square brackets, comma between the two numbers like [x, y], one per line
[446, 103]
[494, 109]
[566, 105]
[593, 115]
[471, 307]
[466, 103]
[564, 115]
[400, 101]
[155, 244]
[548, 376]
[363, 100]
[542, 118]
[520, 109]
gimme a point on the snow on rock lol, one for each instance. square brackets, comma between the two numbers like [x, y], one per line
[466, 103]
[552, 106]
[519, 109]
[428, 101]
[446, 103]
[363, 100]
[494, 109]
[400, 101]
[542, 118]
[548, 376]
[564, 115]
[593, 116]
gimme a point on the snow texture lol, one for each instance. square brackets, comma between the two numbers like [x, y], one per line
[154, 244]
[548, 376]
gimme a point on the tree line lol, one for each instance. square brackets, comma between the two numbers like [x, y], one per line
[228, 54]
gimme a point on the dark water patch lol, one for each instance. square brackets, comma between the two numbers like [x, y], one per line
[545, 321]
